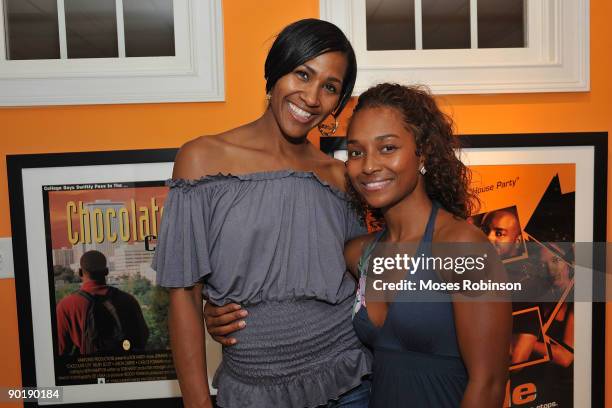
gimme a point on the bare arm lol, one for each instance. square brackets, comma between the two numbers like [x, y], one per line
[525, 344]
[352, 252]
[483, 322]
[480, 323]
[185, 322]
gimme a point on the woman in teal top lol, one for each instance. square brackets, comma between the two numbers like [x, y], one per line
[439, 352]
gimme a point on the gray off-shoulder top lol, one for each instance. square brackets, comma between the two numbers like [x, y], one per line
[273, 242]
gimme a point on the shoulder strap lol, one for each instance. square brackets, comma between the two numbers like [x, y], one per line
[365, 256]
[86, 295]
[431, 222]
[362, 267]
[91, 298]
[113, 312]
[106, 301]
[425, 246]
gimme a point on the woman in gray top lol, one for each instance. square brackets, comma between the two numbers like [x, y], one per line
[258, 216]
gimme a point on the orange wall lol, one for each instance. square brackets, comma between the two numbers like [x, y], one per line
[249, 27]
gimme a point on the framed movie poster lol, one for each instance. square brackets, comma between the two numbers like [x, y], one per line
[542, 200]
[83, 224]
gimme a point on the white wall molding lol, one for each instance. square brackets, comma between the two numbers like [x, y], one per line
[195, 74]
[556, 59]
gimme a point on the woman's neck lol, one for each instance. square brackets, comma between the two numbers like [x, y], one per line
[407, 219]
[275, 141]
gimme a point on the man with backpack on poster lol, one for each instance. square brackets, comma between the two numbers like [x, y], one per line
[99, 319]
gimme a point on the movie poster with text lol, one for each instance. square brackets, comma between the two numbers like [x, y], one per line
[108, 316]
[528, 213]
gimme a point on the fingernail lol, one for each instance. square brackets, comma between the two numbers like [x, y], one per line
[237, 306]
[243, 313]
[233, 341]
[242, 323]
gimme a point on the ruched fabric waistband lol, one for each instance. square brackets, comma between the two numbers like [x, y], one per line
[292, 354]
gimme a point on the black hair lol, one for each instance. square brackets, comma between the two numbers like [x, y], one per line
[304, 40]
[94, 263]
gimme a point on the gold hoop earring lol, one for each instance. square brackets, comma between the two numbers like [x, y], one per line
[328, 130]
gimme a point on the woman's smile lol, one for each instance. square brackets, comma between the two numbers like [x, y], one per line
[299, 114]
[371, 186]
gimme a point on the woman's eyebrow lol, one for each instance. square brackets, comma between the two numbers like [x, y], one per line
[377, 138]
[386, 136]
[313, 71]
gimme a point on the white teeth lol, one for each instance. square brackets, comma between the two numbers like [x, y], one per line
[376, 185]
[299, 112]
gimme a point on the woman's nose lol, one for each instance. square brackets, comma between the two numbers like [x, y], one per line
[310, 94]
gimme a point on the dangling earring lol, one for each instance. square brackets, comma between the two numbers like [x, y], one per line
[422, 169]
[268, 97]
[328, 130]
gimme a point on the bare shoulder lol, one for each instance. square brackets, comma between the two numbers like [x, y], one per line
[454, 229]
[197, 158]
[354, 248]
[208, 155]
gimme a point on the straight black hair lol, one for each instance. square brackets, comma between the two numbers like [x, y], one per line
[304, 40]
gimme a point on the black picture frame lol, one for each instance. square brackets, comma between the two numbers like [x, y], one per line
[514, 144]
[72, 163]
